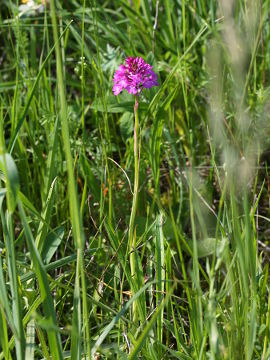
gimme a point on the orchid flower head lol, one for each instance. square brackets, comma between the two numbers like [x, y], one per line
[134, 76]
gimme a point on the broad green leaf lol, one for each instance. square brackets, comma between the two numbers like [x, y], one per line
[51, 243]
[207, 247]
[126, 125]
[114, 106]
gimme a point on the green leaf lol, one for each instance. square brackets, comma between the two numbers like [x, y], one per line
[46, 296]
[115, 320]
[32, 92]
[113, 106]
[30, 340]
[52, 266]
[207, 247]
[2, 196]
[46, 214]
[11, 177]
[160, 275]
[51, 244]
[149, 325]
[4, 335]
[126, 125]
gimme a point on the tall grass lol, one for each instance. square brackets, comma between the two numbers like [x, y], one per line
[194, 284]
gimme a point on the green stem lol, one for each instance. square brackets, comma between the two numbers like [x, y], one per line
[132, 231]
[76, 220]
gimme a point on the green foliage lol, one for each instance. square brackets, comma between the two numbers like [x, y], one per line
[199, 283]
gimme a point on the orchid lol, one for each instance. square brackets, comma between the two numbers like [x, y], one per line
[134, 76]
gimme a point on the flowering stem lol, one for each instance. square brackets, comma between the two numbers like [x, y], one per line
[132, 231]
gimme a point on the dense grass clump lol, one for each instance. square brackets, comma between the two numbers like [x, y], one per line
[182, 273]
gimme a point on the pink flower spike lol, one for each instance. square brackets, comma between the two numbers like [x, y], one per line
[134, 76]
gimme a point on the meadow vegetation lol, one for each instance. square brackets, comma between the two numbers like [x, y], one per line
[198, 285]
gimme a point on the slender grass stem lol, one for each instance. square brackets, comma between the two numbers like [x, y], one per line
[76, 220]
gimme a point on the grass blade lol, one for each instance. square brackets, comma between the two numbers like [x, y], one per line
[49, 311]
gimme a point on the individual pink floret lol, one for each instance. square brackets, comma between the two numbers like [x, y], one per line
[134, 76]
